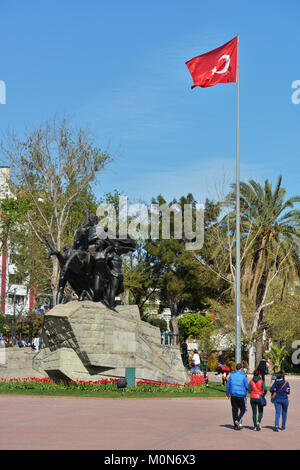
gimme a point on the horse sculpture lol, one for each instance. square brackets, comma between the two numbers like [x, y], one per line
[92, 266]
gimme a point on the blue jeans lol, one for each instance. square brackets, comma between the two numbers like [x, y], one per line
[281, 407]
[195, 370]
[246, 409]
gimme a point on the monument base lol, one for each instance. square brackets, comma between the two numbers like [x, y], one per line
[88, 341]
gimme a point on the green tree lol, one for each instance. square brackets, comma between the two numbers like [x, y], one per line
[283, 316]
[272, 224]
[269, 249]
[53, 168]
[181, 280]
[157, 321]
[277, 355]
[193, 324]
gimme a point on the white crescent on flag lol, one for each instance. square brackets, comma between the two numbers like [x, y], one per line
[227, 58]
[216, 66]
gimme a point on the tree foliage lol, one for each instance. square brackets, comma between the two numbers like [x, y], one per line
[52, 169]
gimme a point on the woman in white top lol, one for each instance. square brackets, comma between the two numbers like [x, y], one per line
[196, 362]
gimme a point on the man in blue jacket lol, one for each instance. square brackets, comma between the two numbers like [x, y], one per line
[236, 389]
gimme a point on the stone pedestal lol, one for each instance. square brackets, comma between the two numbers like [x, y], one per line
[88, 341]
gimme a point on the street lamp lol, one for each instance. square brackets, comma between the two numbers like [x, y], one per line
[167, 317]
[167, 334]
[13, 328]
[21, 329]
[30, 321]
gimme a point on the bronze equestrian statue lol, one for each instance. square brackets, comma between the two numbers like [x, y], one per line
[92, 266]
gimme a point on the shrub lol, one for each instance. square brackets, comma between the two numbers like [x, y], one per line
[212, 363]
[231, 364]
[157, 321]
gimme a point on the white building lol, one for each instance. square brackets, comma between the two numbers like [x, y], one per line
[15, 298]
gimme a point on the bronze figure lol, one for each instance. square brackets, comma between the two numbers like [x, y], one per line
[92, 266]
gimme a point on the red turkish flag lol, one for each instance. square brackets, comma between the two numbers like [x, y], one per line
[217, 66]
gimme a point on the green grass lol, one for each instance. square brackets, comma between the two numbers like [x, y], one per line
[214, 390]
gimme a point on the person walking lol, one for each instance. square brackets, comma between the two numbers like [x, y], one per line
[263, 368]
[281, 390]
[257, 388]
[236, 390]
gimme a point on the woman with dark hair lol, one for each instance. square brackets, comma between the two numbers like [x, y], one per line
[257, 388]
[263, 367]
[280, 391]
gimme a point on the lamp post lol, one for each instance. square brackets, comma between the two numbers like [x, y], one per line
[13, 329]
[21, 330]
[30, 321]
[167, 318]
[167, 333]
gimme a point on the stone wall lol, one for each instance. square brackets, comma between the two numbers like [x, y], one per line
[17, 362]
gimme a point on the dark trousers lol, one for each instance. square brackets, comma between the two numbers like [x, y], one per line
[238, 408]
[256, 408]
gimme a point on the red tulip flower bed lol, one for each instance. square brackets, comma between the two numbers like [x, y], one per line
[148, 385]
[46, 384]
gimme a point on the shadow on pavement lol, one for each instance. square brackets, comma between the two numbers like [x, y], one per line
[228, 426]
[231, 426]
[268, 427]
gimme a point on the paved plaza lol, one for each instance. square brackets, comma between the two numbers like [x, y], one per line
[139, 424]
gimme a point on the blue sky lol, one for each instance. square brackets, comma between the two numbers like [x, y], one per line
[118, 67]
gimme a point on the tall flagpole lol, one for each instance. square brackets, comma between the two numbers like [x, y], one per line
[238, 354]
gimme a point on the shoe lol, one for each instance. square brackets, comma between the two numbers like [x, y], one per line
[255, 429]
[237, 425]
[258, 427]
[276, 429]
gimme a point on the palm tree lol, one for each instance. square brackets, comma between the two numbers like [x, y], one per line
[277, 355]
[270, 234]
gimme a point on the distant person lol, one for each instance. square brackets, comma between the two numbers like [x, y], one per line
[204, 363]
[196, 361]
[236, 390]
[225, 371]
[36, 343]
[221, 359]
[257, 388]
[281, 402]
[245, 366]
[263, 368]
[185, 355]
[41, 310]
